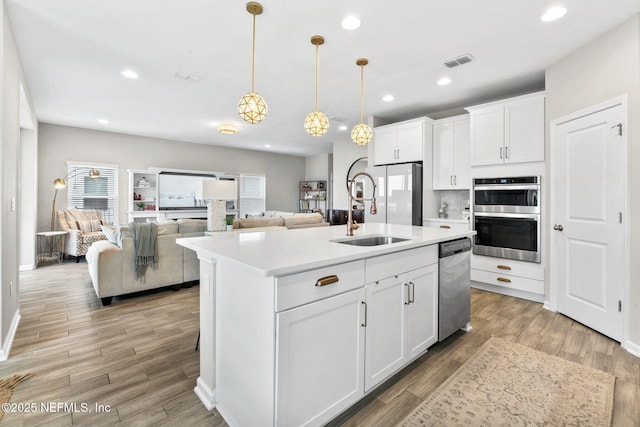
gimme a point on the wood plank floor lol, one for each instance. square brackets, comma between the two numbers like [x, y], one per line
[137, 355]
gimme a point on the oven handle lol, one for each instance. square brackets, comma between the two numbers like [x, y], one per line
[500, 187]
[508, 215]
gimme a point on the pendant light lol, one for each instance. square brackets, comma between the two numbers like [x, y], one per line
[316, 123]
[361, 134]
[252, 107]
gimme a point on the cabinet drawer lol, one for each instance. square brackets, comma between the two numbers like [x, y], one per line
[527, 270]
[508, 281]
[300, 288]
[381, 267]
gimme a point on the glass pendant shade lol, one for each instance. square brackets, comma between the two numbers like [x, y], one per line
[316, 123]
[252, 108]
[361, 134]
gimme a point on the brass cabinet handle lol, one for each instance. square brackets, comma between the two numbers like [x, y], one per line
[502, 279]
[445, 226]
[504, 267]
[327, 280]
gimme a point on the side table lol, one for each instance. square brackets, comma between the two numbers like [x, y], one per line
[50, 245]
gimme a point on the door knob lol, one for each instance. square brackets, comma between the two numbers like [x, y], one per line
[558, 227]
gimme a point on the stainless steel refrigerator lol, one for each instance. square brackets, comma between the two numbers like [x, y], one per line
[398, 194]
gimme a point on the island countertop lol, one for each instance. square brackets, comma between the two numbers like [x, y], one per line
[283, 252]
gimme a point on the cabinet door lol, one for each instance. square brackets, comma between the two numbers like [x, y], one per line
[462, 168]
[487, 135]
[443, 155]
[422, 311]
[410, 142]
[524, 130]
[319, 360]
[385, 347]
[385, 145]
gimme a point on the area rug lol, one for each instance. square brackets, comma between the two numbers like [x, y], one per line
[508, 384]
[6, 388]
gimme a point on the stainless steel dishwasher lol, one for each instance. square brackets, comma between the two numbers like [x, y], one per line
[454, 290]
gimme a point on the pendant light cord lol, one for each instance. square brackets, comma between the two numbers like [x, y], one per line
[317, 56]
[253, 54]
[361, 93]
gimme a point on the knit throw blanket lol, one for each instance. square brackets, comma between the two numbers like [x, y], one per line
[145, 244]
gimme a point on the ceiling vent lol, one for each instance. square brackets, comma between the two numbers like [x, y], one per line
[187, 77]
[459, 61]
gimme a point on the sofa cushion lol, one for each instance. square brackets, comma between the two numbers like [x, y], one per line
[167, 227]
[257, 222]
[186, 225]
[302, 219]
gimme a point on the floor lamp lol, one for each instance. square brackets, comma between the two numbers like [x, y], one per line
[216, 193]
[60, 183]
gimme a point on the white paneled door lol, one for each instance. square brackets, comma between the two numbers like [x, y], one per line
[588, 201]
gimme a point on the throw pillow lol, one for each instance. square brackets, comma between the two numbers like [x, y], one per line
[84, 226]
[192, 225]
[96, 224]
[111, 233]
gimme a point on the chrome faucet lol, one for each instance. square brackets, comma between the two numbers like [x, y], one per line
[374, 209]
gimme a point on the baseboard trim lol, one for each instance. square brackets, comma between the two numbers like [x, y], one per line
[206, 395]
[8, 342]
[27, 267]
[632, 348]
[548, 306]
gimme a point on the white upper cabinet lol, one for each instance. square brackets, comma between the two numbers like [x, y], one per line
[451, 168]
[399, 142]
[508, 131]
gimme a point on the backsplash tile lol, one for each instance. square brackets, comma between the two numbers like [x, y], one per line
[456, 201]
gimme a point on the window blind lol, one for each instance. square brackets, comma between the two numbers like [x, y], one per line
[252, 194]
[86, 193]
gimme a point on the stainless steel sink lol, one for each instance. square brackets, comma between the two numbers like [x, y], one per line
[371, 240]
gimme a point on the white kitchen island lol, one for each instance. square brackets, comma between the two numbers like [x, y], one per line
[296, 327]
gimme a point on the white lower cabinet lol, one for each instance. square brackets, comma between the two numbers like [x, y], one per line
[402, 321]
[320, 351]
[336, 342]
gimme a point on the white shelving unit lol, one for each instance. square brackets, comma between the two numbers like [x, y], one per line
[142, 195]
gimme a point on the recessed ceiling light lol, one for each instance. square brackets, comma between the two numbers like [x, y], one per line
[227, 128]
[350, 23]
[388, 98]
[103, 121]
[267, 145]
[130, 74]
[554, 13]
[343, 127]
[444, 81]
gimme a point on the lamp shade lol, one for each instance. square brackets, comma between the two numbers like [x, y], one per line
[213, 189]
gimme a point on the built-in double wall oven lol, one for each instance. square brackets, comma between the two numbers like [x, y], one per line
[506, 217]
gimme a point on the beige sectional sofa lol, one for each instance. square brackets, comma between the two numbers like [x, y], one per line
[112, 266]
[286, 221]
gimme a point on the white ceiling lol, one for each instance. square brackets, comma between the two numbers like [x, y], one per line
[74, 50]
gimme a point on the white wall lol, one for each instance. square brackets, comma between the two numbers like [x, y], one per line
[12, 76]
[603, 69]
[58, 144]
[28, 190]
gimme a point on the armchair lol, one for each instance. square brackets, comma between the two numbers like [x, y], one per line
[83, 228]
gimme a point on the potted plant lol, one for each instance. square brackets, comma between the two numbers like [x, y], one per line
[140, 206]
[229, 223]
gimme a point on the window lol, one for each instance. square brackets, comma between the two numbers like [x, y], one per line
[252, 194]
[84, 192]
